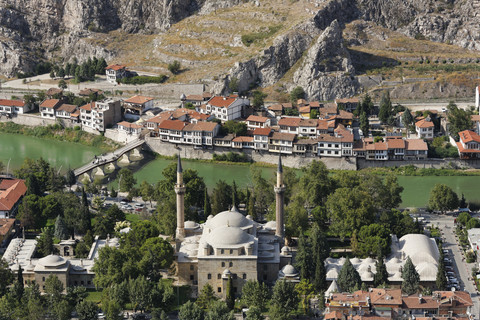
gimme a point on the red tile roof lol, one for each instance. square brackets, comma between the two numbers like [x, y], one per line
[347, 100]
[12, 103]
[257, 119]
[129, 125]
[5, 226]
[461, 149]
[195, 97]
[201, 126]
[276, 107]
[243, 139]
[221, 102]
[138, 99]
[469, 136]
[475, 117]
[424, 124]
[283, 136]
[396, 143]
[115, 67]
[416, 144]
[308, 123]
[289, 122]
[172, 125]
[10, 196]
[49, 103]
[262, 131]
[305, 109]
[322, 124]
[70, 108]
[88, 106]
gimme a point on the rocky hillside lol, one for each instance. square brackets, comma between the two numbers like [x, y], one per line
[330, 47]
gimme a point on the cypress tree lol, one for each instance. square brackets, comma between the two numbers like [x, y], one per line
[70, 178]
[410, 278]
[18, 287]
[320, 280]
[234, 194]
[207, 207]
[348, 277]
[61, 231]
[304, 258]
[230, 299]
[381, 276]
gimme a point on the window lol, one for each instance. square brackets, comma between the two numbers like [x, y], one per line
[219, 289]
[209, 276]
[230, 264]
[191, 267]
[82, 283]
[43, 278]
[235, 289]
[244, 276]
[222, 251]
[265, 267]
[231, 251]
[219, 276]
[191, 277]
[264, 277]
[223, 264]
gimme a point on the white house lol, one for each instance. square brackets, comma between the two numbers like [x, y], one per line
[254, 122]
[100, 115]
[114, 72]
[65, 111]
[129, 128]
[171, 130]
[226, 108]
[469, 145]
[200, 133]
[260, 138]
[281, 142]
[424, 128]
[14, 106]
[48, 108]
[135, 106]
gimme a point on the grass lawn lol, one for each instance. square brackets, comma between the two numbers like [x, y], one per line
[132, 217]
[94, 295]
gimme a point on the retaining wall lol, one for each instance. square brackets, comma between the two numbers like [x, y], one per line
[188, 152]
[28, 120]
[119, 136]
[429, 163]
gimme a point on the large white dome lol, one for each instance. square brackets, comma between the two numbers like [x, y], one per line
[228, 236]
[228, 218]
[52, 260]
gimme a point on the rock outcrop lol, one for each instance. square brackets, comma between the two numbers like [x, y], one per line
[327, 71]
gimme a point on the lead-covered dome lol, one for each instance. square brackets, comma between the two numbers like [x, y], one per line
[228, 236]
[230, 218]
[52, 260]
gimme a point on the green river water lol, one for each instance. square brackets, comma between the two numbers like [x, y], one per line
[18, 147]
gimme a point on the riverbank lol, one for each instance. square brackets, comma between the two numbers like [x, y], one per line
[410, 170]
[58, 133]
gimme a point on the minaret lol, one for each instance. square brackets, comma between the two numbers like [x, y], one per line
[180, 191]
[279, 191]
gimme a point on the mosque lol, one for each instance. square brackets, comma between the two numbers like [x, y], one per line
[230, 244]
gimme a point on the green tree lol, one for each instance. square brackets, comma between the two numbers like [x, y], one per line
[305, 292]
[219, 310]
[190, 311]
[348, 278]
[407, 119]
[441, 280]
[70, 178]
[254, 313]
[6, 276]
[371, 239]
[235, 127]
[349, 209]
[230, 298]
[463, 218]
[458, 119]
[127, 180]
[463, 202]
[140, 293]
[410, 278]
[52, 74]
[297, 93]
[255, 294]
[174, 67]
[62, 84]
[284, 298]
[472, 223]
[314, 114]
[442, 198]
[18, 286]
[61, 231]
[62, 310]
[87, 310]
[206, 297]
[233, 85]
[101, 65]
[45, 242]
[304, 259]
[54, 290]
[366, 106]
[385, 107]
[221, 197]
[381, 276]
[147, 191]
[364, 124]
[157, 254]
[319, 280]
[258, 98]
[207, 207]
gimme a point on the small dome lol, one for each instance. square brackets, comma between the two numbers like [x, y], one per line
[289, 270]
[183, 97]
[367, 275]
[249, 217]
[332, 274]
[355, 260]
[228, 218]
[51, 260]
[190, 225]
[272, 225]
[226, 272]
[228, 236]
[285, 250]
[369, 260]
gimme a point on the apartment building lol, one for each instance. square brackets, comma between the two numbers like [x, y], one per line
[226, 108]
[100, 115]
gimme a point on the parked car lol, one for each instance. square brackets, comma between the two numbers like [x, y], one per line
[139, 205]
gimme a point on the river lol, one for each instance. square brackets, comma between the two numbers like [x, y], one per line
[64, 154]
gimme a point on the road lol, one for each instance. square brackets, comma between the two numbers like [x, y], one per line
[462, 269]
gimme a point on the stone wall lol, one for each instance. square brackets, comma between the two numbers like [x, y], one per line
[428, 163]
[119, 136]
[188, 152]
[28, 120]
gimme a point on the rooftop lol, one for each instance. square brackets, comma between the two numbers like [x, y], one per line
[138, 99]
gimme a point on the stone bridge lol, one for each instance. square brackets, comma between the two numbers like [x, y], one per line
[103, 160]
